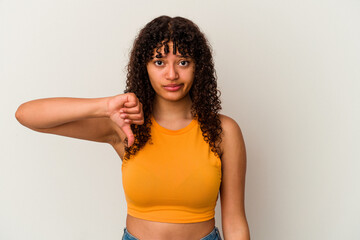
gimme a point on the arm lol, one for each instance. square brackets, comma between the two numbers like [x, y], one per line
[83, 118]
[95, 119]
[52, 112]
[234, 222]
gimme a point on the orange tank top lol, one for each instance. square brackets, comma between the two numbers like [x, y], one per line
[176, 179]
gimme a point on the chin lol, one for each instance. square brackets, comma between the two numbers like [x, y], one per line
[173, 97]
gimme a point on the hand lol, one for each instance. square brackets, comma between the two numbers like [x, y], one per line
[132, 113]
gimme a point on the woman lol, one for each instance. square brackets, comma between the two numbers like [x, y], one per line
[177, 151]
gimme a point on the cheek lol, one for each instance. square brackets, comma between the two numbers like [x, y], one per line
[154, 75]
[155, 84]
[190, 76]
[153, 81]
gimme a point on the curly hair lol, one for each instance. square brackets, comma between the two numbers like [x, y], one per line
[189, 41]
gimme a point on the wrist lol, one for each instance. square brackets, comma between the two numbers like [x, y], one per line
[102, 109]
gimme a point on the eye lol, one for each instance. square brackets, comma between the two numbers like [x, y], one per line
[184, 63]
[158, 63]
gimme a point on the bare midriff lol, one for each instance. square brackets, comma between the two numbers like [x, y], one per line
[149, 230]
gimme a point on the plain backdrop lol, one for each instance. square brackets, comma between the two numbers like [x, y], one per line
[289, 75]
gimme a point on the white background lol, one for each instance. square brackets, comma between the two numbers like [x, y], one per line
[289, 75]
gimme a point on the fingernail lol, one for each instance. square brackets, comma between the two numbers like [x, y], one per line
[121, 110]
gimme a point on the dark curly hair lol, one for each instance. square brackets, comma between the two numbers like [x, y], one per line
[189, 41]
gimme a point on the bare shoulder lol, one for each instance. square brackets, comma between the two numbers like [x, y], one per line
[227, 121]
[230, 127]
[232, 136]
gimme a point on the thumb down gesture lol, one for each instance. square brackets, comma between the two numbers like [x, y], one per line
[124, 110]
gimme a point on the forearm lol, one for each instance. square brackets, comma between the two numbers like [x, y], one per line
[51, 112]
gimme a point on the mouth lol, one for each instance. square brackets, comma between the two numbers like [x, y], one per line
[173, 87]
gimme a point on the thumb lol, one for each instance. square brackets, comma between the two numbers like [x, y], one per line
[129, 134]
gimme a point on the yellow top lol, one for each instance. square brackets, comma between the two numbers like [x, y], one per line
[176, 179]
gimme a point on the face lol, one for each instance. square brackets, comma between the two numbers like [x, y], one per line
[170, 70]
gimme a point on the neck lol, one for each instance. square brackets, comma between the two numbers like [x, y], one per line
[172, 110]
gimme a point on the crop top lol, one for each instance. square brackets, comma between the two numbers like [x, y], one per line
[176, 179]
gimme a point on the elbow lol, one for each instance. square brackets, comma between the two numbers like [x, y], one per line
[239, 230]
[26, 117]
[240, 235]
[18, 114]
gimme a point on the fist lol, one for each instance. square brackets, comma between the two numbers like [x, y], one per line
[124, 110]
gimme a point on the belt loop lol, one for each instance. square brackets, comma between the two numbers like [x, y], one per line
[218, 233]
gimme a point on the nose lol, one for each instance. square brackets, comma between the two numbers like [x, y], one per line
[171, 72]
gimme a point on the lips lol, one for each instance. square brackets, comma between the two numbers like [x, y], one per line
[173, 87]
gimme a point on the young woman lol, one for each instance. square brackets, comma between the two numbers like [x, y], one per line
[178, 153]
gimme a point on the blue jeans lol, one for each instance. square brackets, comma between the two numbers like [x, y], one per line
[213, 235]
